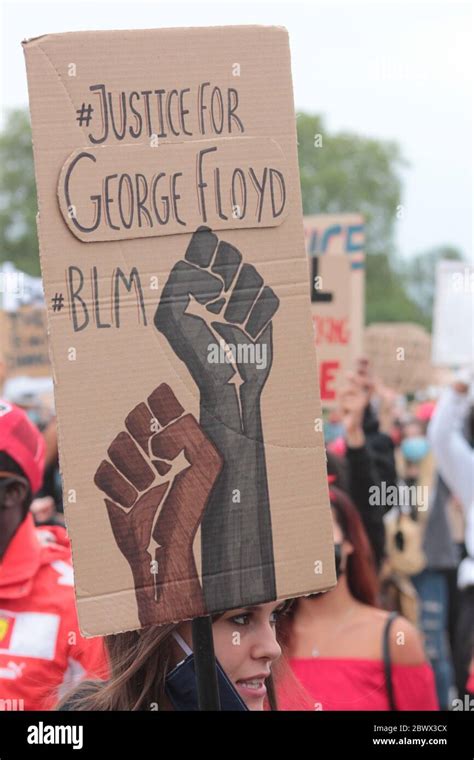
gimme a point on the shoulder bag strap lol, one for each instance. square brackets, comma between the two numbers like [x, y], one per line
[387, 661]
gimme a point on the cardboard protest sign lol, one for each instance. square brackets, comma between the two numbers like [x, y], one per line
[335, 245]
[24, 342]
[400, 355]
[175, 276]
[453, 316]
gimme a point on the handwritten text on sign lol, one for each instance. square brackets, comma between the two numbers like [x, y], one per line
[129, 191]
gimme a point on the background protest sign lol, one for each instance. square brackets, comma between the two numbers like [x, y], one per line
[24, 342]
[192, 459]
[453, 317]
[335, 245]
[400, 355]
[18, 288]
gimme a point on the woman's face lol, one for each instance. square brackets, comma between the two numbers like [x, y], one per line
[245, 645]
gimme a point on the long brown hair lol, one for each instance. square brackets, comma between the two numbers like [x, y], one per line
[139, 663]
[360, 570]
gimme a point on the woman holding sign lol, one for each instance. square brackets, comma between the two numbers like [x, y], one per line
[153, 669]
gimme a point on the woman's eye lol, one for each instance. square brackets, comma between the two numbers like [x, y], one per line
[277, 614]
[241, 619]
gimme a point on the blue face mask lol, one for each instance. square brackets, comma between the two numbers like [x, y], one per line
[415, 449]
[332, 431]
[34, 416]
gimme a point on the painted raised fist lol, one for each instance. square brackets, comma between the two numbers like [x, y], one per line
[158, 479]
[216, 313]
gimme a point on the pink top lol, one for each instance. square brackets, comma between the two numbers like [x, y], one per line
[470, 682]
[356, 684]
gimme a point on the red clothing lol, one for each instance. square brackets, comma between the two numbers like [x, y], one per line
[357, 684]
[42, 652]
[470, 681]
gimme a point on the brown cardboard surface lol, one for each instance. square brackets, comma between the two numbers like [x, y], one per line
[335, 245]
[191, 484]
[24, 342]
[400, 354]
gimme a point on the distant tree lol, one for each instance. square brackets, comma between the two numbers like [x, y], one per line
[388, 300]
[419, 276]
[346, 172]
[18, 205]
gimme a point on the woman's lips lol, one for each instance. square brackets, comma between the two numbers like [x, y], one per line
[252, 687]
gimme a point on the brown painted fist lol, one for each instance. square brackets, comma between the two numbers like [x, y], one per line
[161, 472]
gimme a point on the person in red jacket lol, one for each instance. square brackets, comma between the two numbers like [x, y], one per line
[42, 653]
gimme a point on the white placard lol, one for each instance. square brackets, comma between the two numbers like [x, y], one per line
[453, 317]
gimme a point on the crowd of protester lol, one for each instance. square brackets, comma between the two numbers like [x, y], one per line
[395, 633]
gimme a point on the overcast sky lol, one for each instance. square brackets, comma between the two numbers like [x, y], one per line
[393, 70]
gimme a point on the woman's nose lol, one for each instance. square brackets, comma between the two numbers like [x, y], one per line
[266, 645]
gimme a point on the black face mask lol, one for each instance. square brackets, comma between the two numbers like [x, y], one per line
[338, 560]
[181, 685]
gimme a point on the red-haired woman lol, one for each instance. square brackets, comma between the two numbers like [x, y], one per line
[335, 640]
